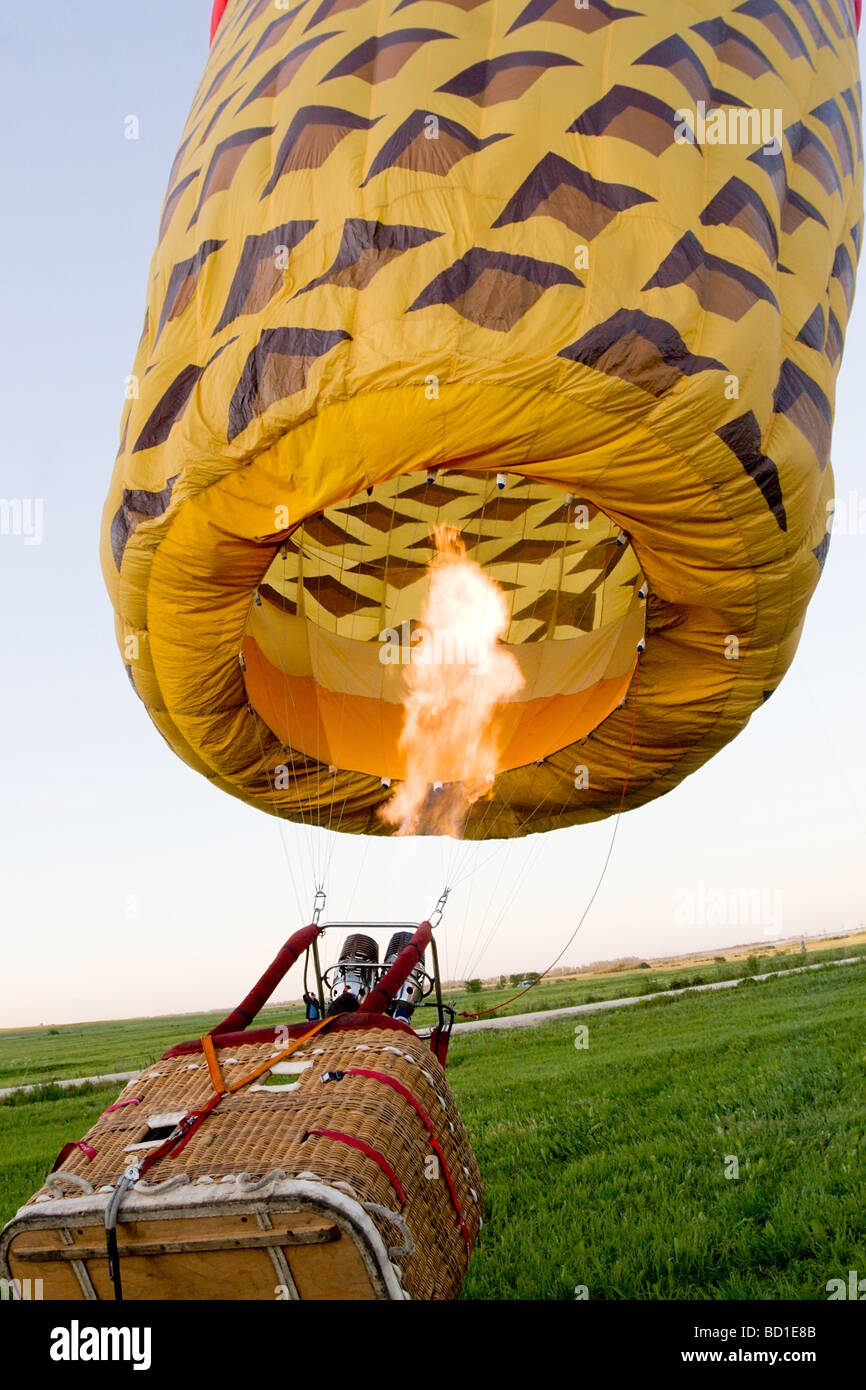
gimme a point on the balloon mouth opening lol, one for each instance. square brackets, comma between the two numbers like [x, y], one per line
[336, 636]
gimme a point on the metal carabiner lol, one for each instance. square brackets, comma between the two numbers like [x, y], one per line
[436, 915]
[319, 901]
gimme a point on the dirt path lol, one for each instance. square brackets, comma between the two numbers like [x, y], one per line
[548, 1015]
[70, 1081]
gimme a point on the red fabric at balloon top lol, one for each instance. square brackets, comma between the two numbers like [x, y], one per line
[218, 11]
[219, 7]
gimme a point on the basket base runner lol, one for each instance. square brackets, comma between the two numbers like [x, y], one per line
[287, 1240]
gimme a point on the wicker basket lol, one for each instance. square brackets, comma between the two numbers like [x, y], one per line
[359, 1185]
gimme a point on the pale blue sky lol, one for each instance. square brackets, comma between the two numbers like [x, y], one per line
[129, 885]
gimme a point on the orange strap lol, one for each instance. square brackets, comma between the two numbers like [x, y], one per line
[216, 1075]
[213, 1065]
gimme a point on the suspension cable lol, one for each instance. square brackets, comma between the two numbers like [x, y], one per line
[483, 1012]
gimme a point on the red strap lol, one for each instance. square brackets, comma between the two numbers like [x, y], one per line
[395, 1086]
[87, 1149]
[439, 1040]
[428, 1125]
[119, 1104]
[377, 1158]
[181, 1134]
[196, 1117]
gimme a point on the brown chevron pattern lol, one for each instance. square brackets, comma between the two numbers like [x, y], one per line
[734, 48]
[492, 289]
[630, 114]
[365, 248]
[676, 57]
[803, 402]
[136, 506]
[811, 153]
[643, 351]
[312, 136]
[777, 20]
[168, 409]
[558, 189]
[260, 273]
[347, 565]
[280, 75]
[183, 283]
[720, 286]
[586, 19]
[502, 79]
[277, 368]
[743, 438]
[225, 163]
[814, 330]
[413, 146]
[377, 59]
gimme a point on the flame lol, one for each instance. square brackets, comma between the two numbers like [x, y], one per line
[458, 675]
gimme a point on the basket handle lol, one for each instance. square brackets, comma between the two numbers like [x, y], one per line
[241, 1017]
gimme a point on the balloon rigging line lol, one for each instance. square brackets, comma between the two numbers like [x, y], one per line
[521, 875]
[306, 822]
[477, 954]
[345, 796]
[361, 864]
[279, 820]
[583, 916]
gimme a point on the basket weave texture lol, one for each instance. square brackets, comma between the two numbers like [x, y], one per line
[256, 1132]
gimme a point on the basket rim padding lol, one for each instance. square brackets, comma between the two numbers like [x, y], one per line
[339, 1023]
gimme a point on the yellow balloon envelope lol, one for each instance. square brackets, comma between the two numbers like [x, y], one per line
[572, 278]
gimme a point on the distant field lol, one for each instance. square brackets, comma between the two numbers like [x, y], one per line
[561, 991]
[37, 1055]
[605, 1166]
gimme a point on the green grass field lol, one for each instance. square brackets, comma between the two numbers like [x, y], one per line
[604, 1166]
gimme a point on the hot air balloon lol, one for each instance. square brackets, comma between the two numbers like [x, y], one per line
[411, 254]
[564, 282]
